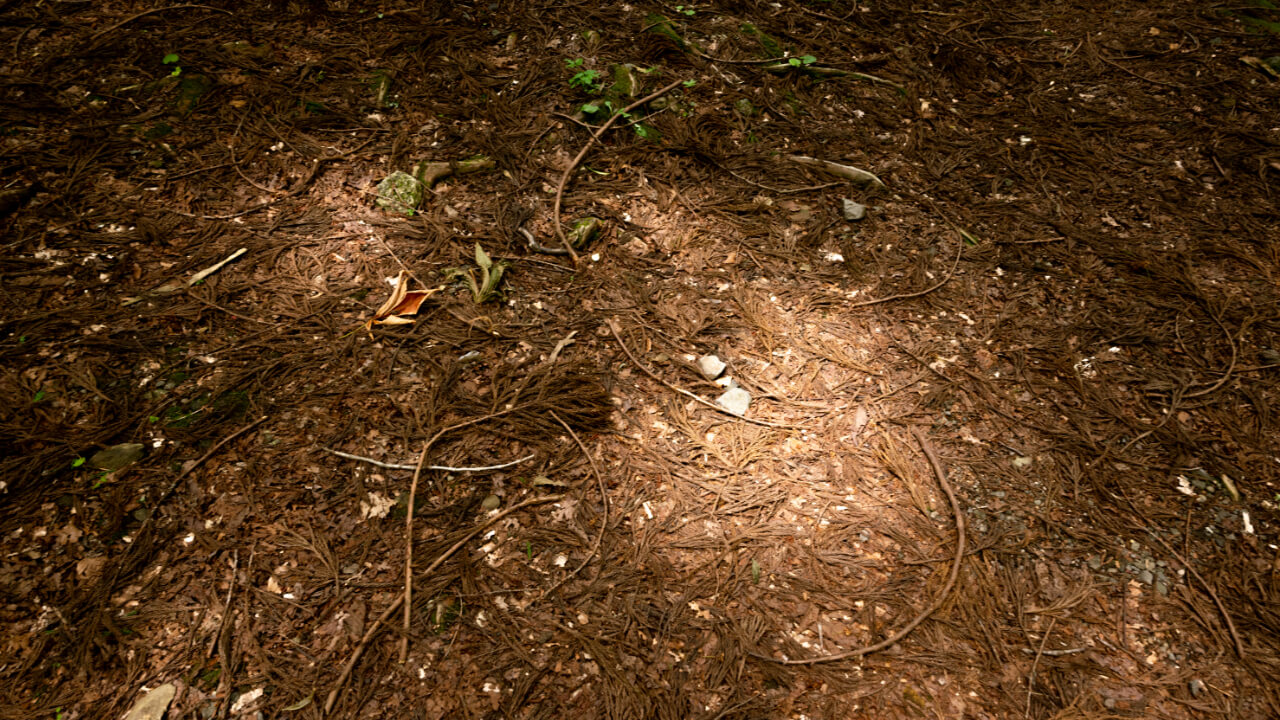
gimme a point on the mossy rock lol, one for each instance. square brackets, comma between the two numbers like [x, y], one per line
[771, 47]
[190, 89]
[660, 25]
[584, 231]
[400, 193]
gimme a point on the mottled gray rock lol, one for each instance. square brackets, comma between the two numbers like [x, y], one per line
[116, 457]
[154, 704]
[852, 210]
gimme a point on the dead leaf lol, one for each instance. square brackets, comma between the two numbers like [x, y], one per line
[402, 303]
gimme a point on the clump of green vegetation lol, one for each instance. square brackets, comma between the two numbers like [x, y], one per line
[486, 288]
[584, 78]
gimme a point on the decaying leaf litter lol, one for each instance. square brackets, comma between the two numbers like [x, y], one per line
[1057, 302]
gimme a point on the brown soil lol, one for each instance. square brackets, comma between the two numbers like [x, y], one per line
[1065, 294]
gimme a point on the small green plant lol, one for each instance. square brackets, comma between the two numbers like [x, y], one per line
[802, 61]
[584, 78]
[38, 396]
[490, 276]
[689, 83]
[77, 462]
[172, 59]
[685, 10]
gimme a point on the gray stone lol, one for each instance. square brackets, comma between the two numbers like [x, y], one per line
[710, 366]
[1196, 686]
[154, 704]
[852, 210]
[116, 456]
[400, 192]
[1146, 577]
[735, 400]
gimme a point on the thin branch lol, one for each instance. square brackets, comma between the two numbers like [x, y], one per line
[614, 329]
[1031, 677]
[445, 468]
[937, 602]
[395, 605]
[926, 291]
[144, 13]
[408, 525]
[1231, 366]
[604, 499]
[564, 178]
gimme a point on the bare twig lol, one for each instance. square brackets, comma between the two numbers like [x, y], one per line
[564, 178]
[316, 164]
[1217, 601]
[225, 642]
[408, 524]
[942, 595]
[749, 181]
[926, 291]
[144, 13]
[444, 468]
[1056, 653]
[395, 605]
[604, 499]
[613, 328]
[1031, 677]
[1231, 366]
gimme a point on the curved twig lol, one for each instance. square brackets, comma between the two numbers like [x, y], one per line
[674, 388]
[144, 13]
[604, 499]
[1231, 366]
[937, 602]
[443, 468]
[408, 523]
[395, 605]
[564, 178]
[926, 291]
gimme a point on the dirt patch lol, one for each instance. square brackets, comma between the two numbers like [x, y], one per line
[1060, 286]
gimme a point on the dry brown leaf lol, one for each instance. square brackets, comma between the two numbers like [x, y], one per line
[402, 303]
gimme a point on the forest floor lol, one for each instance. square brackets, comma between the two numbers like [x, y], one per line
[1009, 449]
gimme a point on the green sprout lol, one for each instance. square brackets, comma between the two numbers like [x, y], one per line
[586, 79]
[802, 61]
[172, 59]
[686, 10]
[490, 276]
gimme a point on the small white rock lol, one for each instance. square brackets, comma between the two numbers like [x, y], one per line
[710, 366]
[735, 400]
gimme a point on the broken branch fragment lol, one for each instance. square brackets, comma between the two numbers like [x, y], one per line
[430, 173]
[848, 172]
